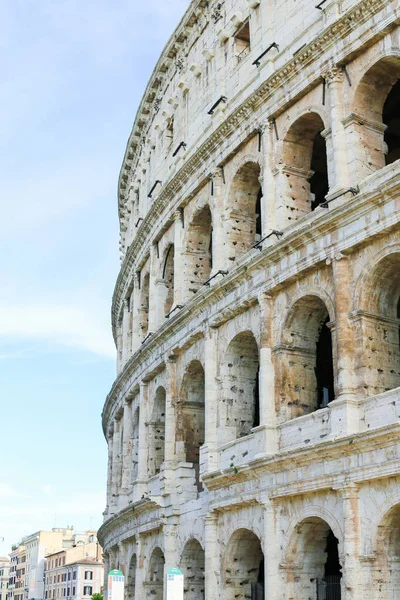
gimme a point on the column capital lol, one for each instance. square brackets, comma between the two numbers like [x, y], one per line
[333, 75]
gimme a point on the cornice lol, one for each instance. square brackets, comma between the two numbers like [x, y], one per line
[318, 48]
[303, 457]
[309, 229]
[126, 515]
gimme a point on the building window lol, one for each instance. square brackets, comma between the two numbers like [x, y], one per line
[68, 591]
[74, 575]
[87, 590]
[69, 575]
[242, 41]
[73, 591]
[89, 575]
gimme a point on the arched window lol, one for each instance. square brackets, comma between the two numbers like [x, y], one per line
[157, 433]
[304, 361]
[168, 277]
[155, 582]
[377, 327]
[314, 554]
[198, 253]
[191, 416]
[375, 126]
[130, 588]
[243, 222]
[239, 409]
[144, 305]
[243, 567]
[304, 169]
[387, 571]
[192, 566]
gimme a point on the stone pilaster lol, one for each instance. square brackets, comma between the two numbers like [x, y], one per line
[208, 455]
[344, 408]
[141, 483]
[212, 566]
[352, 582]
[334, 79]
[179, 233]
[267, 375]
[116, 467]
[217, 210]
[152, 289]
[135, 302]
[271, 551]
[110, 444]
[267, 180]
[140, 571]
[127, 448]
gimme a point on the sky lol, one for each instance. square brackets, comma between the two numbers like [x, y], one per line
[72, 76]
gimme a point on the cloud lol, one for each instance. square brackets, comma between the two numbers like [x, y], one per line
[61, 325]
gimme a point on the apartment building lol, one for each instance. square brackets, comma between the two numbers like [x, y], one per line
[4, 576]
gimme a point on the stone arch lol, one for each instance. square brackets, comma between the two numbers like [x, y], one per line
[198, 251]
[377, 324]
[131, 583]
[312, 560]
[166, 284]
[387, 550]
[303, 167]
[135, 443]
[304, 360]
[243, 566]
[192, 565]
[157, 432]
[144, 305]
[243, 211]
[190, 427]
[155, 576]
[239, 410]
[376, 100]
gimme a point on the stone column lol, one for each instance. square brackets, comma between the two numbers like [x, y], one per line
[334, 79]
[211, 557]
[170, 549]
[107, 569]
[267, 180]
[267, 375]
[153, 289]
[179, 233]
[217, 210]
[116, 463]
[344, 408]
[126, 348]
[141, 483]
[140, 570]
[170, 437]
[271, 550]
[109, 470]
[352, 581]
[135, 307]
[127, 449]
[208, 453]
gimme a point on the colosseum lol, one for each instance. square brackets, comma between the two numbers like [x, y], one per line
[253, 428]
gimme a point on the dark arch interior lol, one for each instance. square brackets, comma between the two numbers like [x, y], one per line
[333, 569]
[391, 118]
[319, 180]
[258, 215]
[256, 420]
[324, 367]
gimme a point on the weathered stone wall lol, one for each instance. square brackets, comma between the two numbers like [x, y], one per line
[253, 428]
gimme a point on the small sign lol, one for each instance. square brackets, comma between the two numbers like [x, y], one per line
[174, 584]
[116, 584]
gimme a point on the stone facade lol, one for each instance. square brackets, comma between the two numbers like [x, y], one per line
[253, 428]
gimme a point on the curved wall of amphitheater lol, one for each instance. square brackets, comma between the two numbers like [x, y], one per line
[253, 428]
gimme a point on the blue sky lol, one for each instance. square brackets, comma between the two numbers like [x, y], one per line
[72, 76]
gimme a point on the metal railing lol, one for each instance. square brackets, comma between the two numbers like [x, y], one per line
[329, 588]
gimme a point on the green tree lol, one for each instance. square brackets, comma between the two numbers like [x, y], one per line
[97, 597]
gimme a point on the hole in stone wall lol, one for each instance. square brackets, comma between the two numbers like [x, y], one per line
[258, 216]
[319, 186]
[391, 118]
[324, 367]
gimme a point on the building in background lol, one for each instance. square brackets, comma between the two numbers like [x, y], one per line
[253, 427]
[4, 576]
[28, 559]
[75, 573]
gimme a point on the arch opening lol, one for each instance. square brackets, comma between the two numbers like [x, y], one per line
[157, 433]
[243, 567]
[192, 566]
[198, 254]
[144, 305]
[130, 588]
[387, 572]
[315, 570]
[239, 410]
[304, 169]
[190, 429]
[155, 582]
[376, 126]
[305, 360]
[168, 278]
[378, 327]
[244, 220]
